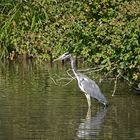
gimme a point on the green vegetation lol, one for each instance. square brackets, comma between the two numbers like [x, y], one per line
[104, 32]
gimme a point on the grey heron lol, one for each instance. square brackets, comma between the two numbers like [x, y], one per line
[88, 86]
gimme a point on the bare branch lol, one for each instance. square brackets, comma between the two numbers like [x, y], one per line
[115, 84]
[63, 78]
[95, 69]
[68, 82]
[128, 82]
[70, 74]
[53, 80]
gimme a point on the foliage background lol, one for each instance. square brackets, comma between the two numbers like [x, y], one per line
[103, 32]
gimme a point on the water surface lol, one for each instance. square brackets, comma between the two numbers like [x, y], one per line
[32, 106]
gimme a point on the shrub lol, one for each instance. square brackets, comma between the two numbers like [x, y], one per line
[104, 32]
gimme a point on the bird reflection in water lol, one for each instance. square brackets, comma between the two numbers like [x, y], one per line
[91, 125]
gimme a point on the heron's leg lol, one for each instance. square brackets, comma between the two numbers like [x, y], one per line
[88, 100]
[88, 114]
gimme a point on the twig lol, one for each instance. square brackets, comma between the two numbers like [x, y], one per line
[69, 82]
[70, 74]
[63, 79]
[115, 84]
[89, 69]
[128, 82]
[96, 69]
[53, 80]
[109, 72]
[106, 75]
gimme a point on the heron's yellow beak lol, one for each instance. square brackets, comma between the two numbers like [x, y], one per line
[59, 58]
[62, 57]
[55, 60]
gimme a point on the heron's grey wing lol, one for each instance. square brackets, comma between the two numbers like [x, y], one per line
[90, 87]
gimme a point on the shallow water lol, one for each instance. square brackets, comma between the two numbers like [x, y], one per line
[32, 106]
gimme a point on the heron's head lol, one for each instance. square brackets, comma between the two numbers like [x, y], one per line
[63, 56]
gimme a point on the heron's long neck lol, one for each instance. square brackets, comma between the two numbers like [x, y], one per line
[73, 65]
